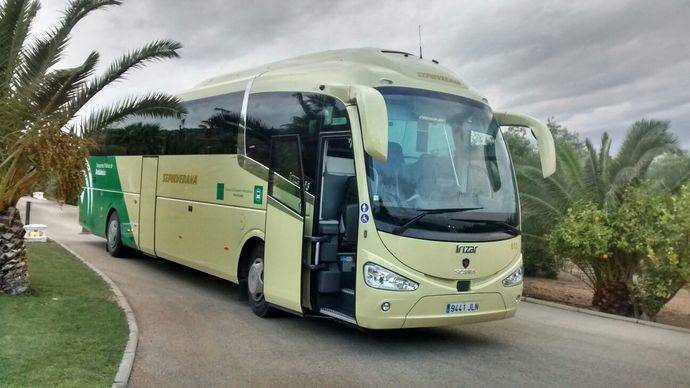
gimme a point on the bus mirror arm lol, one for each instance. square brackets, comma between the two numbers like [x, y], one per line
[547, 148]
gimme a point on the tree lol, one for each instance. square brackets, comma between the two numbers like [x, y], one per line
[636, 257]
[586, 176]
[43, 134]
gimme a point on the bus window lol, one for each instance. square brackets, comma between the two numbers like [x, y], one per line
[211, 126]
[306, 114]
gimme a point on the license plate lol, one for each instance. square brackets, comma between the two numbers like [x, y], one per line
[466, 307]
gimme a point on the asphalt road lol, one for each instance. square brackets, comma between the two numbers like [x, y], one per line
[194, 332]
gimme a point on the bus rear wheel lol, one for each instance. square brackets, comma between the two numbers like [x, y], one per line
[255, 284]
[113, 236]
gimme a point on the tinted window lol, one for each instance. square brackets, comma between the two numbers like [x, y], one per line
[305, 114]
[285, 183]
[210, 127]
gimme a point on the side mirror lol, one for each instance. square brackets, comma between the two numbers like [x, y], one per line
[547, 148]
[373, 117]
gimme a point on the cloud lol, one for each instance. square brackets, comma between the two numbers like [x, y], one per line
[595, 66]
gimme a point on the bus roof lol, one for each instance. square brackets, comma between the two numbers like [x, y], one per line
[359, 66]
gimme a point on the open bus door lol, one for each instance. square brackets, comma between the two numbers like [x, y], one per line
[285, 214]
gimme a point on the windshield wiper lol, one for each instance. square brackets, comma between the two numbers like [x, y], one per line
[506, 226]
[425, 212]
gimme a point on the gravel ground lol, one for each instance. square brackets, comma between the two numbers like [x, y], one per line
[569, 289]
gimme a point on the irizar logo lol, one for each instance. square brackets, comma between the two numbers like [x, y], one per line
[466, 249]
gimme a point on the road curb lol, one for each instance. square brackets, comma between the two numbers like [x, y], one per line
[127, 362]
[604, 315]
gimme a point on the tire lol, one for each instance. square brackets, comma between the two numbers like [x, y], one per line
[113, 236]
[255, 284]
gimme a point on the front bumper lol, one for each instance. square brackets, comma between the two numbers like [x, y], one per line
[430, 310]
[426, 306]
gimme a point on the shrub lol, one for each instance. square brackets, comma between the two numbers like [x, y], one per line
[665, 267]
[635, 257]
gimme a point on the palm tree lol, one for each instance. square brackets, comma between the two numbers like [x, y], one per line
[42, 133]
[607, 177]
[602, 179]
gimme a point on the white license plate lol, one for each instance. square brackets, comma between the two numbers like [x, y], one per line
[466, 307]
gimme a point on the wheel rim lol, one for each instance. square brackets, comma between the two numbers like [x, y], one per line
[112, 234]
[255, 279]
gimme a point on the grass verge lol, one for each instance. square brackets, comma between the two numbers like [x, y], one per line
[68, 331]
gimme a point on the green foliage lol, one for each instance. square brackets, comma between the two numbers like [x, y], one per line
[638, 221]
[665, 268]
[584, 235]
[670, 171]
[661, 275]
[545, 201]
[587, 174]
[644, 243]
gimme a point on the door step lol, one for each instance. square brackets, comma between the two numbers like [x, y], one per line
[338, 315]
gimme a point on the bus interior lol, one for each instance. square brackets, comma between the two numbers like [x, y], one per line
[337, 221]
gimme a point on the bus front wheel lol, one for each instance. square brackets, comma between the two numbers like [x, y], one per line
[255, 284]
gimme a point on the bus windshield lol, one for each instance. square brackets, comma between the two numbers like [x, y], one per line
[448, 175]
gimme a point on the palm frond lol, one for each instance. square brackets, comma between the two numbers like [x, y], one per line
[16, 17]
[60, 86]
[643, 136]
[670, 171]
[569, 166]
[154, 51]
[552, 189]
[46, 51]
[592, 176]
[604, 158]
[156, 105]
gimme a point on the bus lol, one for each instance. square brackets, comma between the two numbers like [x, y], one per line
[368, 186]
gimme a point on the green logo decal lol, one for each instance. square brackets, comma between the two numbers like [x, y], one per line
[258, 194]
[220, 191]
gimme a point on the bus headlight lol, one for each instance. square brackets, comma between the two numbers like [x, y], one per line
[378, 277]
[514, 279]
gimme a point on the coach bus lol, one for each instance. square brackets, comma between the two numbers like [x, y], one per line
[365, 185]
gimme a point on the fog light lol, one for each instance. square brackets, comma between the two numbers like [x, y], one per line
[385, 306]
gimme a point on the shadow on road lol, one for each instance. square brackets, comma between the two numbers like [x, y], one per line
[442, 339]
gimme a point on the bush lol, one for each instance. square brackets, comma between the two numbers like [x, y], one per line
[635, 257]
[539, 259]
[665, 268]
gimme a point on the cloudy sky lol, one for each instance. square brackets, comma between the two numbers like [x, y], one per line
[593, 65]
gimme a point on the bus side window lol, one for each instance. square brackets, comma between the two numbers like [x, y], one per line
[211, 126]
